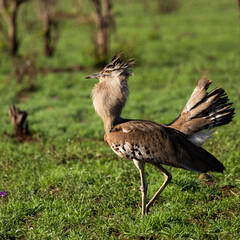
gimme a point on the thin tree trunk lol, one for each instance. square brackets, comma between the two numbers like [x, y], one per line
[13, 31]
[47, 36]
[104, 16]
[50, 26]
[102, 39]
[9, 10]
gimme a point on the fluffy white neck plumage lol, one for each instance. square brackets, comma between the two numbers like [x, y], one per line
[109, 97]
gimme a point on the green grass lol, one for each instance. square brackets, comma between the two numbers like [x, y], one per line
[82, 190]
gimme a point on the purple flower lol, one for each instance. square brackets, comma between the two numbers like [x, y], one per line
[55, 98]
[2, 193]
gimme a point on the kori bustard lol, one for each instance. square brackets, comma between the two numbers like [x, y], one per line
[177, 144]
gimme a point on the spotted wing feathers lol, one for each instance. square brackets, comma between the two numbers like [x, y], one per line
[154, 143]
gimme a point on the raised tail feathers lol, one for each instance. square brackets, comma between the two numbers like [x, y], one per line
[203, 112]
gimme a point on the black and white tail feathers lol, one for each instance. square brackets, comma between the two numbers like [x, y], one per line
[203, 112]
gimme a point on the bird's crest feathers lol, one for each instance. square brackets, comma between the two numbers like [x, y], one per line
[119, 63]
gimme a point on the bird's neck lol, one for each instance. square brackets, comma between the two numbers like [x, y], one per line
[109, 98]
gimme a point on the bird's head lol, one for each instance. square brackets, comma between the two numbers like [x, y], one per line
[117, 68]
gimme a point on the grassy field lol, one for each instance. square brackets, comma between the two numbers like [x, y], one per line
[81, 190]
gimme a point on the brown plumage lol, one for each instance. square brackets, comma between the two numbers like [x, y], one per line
[177, 144]
[154, 143]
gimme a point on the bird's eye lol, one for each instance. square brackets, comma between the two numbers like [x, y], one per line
[107, 71]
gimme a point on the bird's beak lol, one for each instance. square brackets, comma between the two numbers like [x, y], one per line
[95, 75]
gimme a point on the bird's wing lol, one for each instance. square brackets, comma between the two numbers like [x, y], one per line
[154, 143]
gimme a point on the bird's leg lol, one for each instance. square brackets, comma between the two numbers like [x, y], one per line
[140, 166]
[144, 191]
[168, 178]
